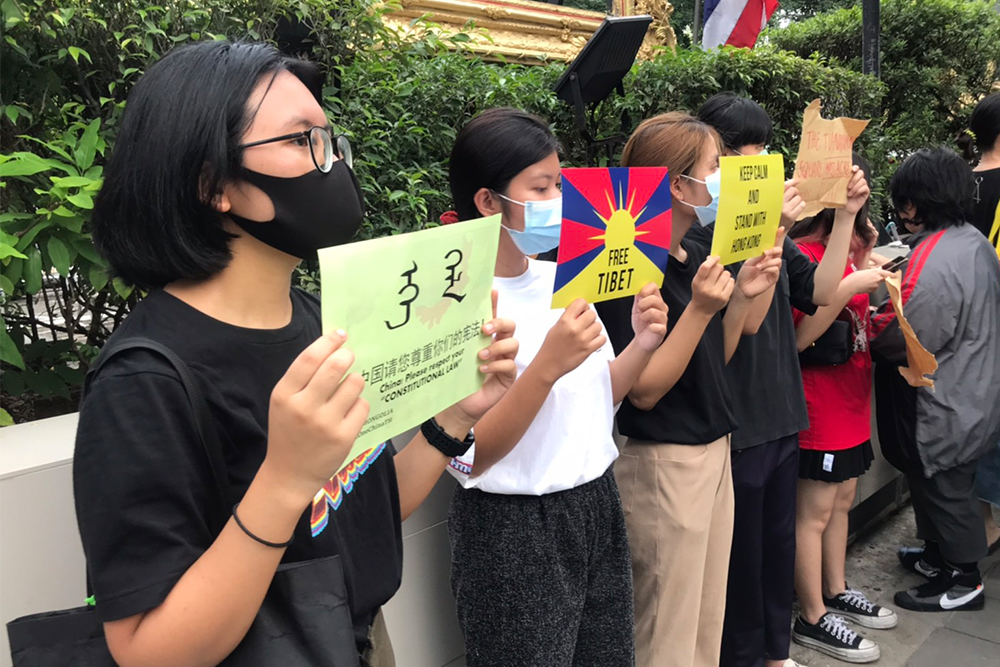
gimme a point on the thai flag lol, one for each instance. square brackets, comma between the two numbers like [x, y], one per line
[735, 22]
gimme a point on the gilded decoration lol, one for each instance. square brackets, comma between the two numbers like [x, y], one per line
[528, 32]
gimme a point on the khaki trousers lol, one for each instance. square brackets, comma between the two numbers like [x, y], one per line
[678, 503]
[379, 654]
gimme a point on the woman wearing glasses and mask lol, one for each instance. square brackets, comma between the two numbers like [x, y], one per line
[223, 178]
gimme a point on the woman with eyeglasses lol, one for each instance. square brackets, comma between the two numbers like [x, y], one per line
[223, 178]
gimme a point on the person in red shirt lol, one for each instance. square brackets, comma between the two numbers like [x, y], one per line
[836, 448]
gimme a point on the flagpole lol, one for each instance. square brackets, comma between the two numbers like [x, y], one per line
[697, 23]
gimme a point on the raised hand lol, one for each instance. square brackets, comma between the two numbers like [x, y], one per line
[497, 364]
[792, 206]
[759, 274]
[570, 341]
[857, 191]
[712, 286]
[649, 318]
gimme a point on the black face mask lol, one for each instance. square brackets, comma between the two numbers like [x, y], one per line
[311, 211]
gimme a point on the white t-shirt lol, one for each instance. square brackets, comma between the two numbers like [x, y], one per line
[569, 443]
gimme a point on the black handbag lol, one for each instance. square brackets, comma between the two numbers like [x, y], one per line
[834, 347]
[304, 620]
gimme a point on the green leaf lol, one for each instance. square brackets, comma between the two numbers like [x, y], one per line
[8, 350]
[10, 251]
[76, 52]
[29, 236]
[59, 255]
[82, 200]
[98, 276]
[5, 418]
[123, 290]
[87, 147]
[85, 247]
[24, 164]
[33, 272]
[71, 181]
[6, 285]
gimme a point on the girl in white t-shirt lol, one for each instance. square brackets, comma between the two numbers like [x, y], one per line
[540, 562]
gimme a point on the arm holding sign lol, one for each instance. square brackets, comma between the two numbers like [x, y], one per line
[314, 418]
[761, 274]
[710, 291]
[831, 268]
[574, 337]
[649, 323]
[813, 326]
[419, 465]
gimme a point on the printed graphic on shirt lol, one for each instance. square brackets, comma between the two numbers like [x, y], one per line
[860, 328]
[461, 466]
[333, 492]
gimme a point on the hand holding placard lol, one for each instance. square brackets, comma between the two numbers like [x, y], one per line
[823, 165]
[414, 306]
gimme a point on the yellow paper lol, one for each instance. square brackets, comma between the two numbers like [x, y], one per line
[920, 362]
[824, 163]
[753, 187]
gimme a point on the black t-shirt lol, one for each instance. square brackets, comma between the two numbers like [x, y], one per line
[987, 198]
[145, 499]
[698, 409]
[764, 374]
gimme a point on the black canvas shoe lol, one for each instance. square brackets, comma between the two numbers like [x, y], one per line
[833, 637]
[854, 606]
[914, 560]
[950, 591]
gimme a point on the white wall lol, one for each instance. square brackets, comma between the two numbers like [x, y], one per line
[42, 568]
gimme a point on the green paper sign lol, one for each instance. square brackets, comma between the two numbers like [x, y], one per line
[413, 307]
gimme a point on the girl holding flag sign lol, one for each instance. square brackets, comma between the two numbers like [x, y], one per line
[674, 471]
[540, 561]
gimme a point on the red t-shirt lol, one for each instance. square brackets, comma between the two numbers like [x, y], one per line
[839, 397]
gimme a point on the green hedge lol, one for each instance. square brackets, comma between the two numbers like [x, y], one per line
[67, 66]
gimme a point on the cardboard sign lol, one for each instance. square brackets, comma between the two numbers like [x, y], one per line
[824, 163]
[919, 362]
[753, 187]
[615, 234]
[413, 307]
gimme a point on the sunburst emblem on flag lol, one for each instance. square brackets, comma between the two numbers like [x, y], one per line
[615, 233]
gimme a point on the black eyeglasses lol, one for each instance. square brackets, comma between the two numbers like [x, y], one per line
[322, 146]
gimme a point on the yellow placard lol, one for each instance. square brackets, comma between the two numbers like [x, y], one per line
[823, 166]
[753, 187]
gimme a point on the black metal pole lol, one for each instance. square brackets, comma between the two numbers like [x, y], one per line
[871, 29]
[697, 23]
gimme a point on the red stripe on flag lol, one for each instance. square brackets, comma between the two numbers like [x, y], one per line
[747, 29]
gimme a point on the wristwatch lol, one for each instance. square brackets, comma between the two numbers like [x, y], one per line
[444, 443]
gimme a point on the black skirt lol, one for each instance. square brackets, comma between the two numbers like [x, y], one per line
[837, 466]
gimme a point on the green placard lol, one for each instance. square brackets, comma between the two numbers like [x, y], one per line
[413, 307]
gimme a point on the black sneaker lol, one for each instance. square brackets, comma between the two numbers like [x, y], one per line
[915, 560]
[833, 637]
[951, 591]
[854, 606]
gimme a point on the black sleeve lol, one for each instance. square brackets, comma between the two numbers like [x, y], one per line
[616, 315]
[141, 483]
[801, 277]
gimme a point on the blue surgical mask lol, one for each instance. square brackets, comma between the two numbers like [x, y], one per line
[707, 214]
[542, 225]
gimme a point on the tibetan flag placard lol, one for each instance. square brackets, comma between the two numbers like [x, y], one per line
[615, 233]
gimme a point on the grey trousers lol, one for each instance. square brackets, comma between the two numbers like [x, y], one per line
[543, 581]
[947, 512]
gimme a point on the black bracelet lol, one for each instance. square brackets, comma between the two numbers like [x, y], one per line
[444, 443]
[276, 545]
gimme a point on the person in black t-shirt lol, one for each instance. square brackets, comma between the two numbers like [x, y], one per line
[223, 178]
[674, 472]
[766, 385]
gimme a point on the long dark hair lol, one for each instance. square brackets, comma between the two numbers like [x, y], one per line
[178, 144]
[491, 150]
[818, 227]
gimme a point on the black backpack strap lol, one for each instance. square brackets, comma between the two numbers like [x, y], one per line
[199, 407]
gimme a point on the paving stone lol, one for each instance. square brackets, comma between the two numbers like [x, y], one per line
[948, 647]
[992, 581]
[984, 624]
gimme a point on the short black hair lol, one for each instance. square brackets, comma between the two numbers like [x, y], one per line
[739, 120]
[177, 145]
[491, 150]
[984, 128]
[938, 183]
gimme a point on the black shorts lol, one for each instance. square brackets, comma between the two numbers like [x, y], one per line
[842, 465]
